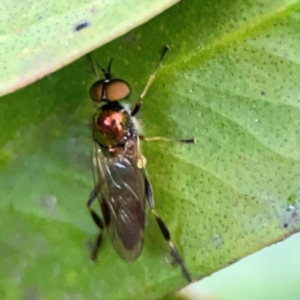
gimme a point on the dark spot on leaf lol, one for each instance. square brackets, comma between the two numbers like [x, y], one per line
[285, 225]
[263, 93]
[81, 25]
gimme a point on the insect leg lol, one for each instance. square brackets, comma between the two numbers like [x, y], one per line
[150, 80]
[165, 231]
[160, 138]
[97, 221]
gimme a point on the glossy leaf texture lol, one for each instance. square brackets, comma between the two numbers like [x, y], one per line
[231, 80]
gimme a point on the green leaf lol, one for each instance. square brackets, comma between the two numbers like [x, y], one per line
[231, 80]
[37, 39]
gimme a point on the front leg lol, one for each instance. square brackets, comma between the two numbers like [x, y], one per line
[139, 101]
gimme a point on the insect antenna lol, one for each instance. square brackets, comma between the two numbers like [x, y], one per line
[96, 66]
[109, 66]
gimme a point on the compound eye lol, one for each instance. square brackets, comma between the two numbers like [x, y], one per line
[96, 91]
[117, 90]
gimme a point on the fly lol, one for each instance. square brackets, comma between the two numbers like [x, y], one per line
[122, 186]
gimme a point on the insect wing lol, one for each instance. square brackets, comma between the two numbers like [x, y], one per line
[121, 181]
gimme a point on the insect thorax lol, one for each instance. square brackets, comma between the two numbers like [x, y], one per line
[112, 125]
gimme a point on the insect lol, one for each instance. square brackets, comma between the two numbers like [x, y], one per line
[122, 186]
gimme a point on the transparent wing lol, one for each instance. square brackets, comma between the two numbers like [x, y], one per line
[121, 181]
